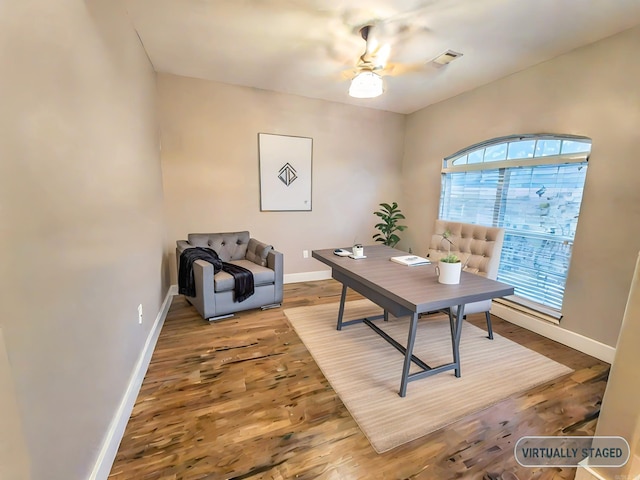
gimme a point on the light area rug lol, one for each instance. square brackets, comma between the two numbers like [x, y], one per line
[365, 370]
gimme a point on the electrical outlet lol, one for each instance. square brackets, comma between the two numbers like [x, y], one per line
[140, 314]
[305, 253]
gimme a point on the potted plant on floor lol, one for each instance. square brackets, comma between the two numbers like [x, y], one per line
[390, 215]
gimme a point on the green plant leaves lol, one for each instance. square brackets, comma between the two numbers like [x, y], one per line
[451, 258]
[390, 215]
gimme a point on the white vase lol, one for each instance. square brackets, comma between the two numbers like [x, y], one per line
[449, 273]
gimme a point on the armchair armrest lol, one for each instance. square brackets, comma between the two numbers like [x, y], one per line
[204, 301]
[264, 255]
[182, 245]
[275, 261]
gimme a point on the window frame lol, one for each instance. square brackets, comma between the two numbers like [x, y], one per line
[548, 312]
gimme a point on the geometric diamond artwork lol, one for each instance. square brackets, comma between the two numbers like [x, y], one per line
[286, 167]
[287, 174]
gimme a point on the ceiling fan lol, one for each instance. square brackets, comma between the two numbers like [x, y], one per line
[373, 64]
[366, 77]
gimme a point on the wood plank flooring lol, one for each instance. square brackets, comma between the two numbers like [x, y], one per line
[243, 399]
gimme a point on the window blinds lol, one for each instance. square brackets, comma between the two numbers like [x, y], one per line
[537, 205]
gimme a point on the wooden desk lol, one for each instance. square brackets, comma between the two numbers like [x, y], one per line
[408, 291]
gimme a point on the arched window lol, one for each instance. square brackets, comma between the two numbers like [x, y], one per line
[531, 185]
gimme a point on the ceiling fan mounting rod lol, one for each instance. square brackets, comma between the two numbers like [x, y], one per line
[364, 32]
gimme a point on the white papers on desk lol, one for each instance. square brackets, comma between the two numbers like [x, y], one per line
[410, 260]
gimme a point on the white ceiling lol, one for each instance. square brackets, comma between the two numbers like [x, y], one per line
[304, 47]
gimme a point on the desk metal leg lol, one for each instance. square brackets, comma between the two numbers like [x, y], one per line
[341, 311]
[407, 356]
[456, 339]
[452, 326]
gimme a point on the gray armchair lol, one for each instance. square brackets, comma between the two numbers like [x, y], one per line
[214, 294]
[479, 250]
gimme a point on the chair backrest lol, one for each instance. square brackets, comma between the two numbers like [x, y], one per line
[478, 247]
[228, 246]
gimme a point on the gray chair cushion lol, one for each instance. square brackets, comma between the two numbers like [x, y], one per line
[257, 252]
[223, 282]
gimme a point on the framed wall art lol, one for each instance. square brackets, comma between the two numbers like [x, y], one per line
[285, 172]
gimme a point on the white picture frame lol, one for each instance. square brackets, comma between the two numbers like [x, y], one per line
[285, 172]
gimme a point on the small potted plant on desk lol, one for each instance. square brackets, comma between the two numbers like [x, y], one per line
[448, 269]
[449, 266]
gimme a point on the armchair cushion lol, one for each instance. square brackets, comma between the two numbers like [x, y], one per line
[257, 252]
[223, 282]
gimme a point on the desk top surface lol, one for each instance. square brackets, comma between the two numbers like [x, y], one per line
[416, 288]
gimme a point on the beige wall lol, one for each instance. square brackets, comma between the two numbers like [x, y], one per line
[81, 197]
[620, 412]
[592, 91]
[210, 166]
[82, 224]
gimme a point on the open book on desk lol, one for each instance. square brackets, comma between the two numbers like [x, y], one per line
[410, 260]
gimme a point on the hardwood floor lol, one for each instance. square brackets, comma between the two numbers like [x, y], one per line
[243, 399]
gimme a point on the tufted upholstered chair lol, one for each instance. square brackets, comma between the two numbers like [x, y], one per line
[479, 250]
[214, 297]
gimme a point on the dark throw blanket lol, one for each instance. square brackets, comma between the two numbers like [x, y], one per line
[243, 278]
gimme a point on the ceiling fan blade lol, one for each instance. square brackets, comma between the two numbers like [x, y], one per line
[349, 73]
[397, 69]
[376, 54]
[379, 35]
[382, 55]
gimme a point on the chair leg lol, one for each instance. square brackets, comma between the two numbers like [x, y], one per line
[489, 327]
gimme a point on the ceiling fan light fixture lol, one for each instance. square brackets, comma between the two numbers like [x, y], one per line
[366, 85]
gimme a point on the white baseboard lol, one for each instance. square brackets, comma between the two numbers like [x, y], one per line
[555, 332]
[112, 439]
[307, 276]
[585, 473]
[630, 472]
[546, 329]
